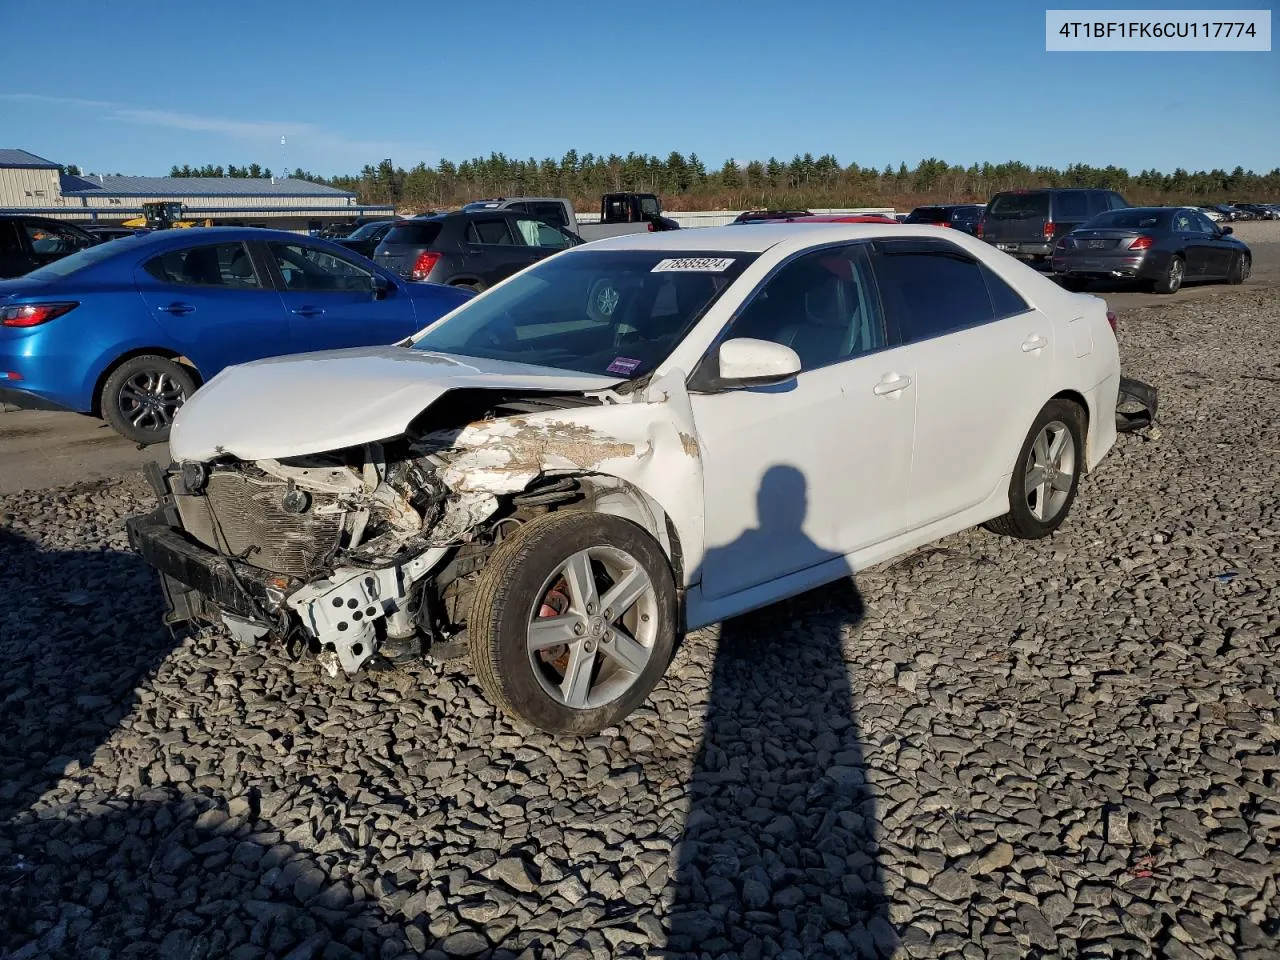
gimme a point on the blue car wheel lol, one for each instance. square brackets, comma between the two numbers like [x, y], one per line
[142, 395]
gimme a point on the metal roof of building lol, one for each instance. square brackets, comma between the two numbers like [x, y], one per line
[115, 186]
[20, 158]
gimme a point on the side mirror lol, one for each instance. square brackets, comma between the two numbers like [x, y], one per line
[746, 362]
[1224, 230]
[379, 285]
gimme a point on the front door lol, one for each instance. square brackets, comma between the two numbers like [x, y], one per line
[979, 355]
[808, 471]
[331, 300]
[215, 303]
[1197, 242]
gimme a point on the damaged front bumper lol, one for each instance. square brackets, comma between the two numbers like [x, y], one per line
[1135, 405]
[346, 615]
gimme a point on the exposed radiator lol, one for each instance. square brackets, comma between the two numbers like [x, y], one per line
[239, 512]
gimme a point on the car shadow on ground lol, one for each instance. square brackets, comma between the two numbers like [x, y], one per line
[80, 631]
[779, 852]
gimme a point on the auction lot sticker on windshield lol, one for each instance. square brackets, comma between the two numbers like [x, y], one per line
[694, 265]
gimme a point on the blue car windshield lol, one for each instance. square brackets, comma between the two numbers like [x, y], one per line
[605, 312]
[87, 257]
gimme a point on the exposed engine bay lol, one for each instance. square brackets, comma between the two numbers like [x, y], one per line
[371, 549]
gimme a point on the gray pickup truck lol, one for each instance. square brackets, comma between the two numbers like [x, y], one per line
[620, 213]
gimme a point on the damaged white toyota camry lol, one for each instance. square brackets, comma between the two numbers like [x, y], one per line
[633, 438]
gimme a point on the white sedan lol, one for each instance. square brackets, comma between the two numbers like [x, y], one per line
[631, 439]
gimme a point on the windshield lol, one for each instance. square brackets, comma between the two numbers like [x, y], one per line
[604, 312]
[1130, 220]
[1019, 206]
[84, 258]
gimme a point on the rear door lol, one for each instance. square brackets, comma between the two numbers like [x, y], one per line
[1016, 218]
[493, 248]
[1195, 242]
[215, 303]
[980, 356]
[331, 301]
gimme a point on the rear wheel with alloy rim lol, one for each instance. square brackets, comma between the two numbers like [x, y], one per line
[141, 397]
[1046, 473]
[573, 621]
[1171, 280]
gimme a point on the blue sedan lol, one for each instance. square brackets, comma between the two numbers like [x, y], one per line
[127, 330]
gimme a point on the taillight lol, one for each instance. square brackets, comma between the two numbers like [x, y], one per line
[1111, 319]
[940, 224]
[33, 314]
[1142, 243]
[425, 263]
[1049, 228]
[1064, 243]
[979, 229]
[652, 228]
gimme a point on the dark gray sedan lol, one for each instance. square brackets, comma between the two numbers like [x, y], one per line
[1162, 247]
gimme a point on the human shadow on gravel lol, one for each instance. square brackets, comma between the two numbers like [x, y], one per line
[79, 632]
[187, 878]
[778, 855]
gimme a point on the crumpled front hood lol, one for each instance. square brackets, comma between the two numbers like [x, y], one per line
[315, 402]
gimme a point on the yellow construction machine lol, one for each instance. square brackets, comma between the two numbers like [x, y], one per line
[163, 216]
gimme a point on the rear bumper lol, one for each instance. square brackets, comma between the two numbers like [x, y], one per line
[1138, 266]
[24, 400]
[1024, 248]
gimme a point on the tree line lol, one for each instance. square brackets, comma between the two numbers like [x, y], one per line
[685, 183]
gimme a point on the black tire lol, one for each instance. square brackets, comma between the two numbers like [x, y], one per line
[1074, 284]
[502, 608]
[138, 414]
[1239, 271]
[1021, 521]
[1170, 281]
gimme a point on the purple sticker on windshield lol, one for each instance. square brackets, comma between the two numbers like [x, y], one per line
[622, 365]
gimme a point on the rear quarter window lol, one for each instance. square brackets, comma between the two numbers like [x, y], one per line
[416, 234]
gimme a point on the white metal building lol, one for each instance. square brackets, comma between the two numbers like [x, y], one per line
[32, 184]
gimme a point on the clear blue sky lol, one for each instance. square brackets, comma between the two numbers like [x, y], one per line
[135, 87]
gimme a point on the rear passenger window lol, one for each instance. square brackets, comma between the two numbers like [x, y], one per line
[931, 289]
[224, 265]
[489, 231]
[1005, 301]
[1097, 203]
[1071, 206]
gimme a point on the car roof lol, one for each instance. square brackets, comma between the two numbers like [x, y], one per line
[762, 236]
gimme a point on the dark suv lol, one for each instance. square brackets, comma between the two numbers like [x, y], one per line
[470, 249]
[30, 242]
[1024, 223]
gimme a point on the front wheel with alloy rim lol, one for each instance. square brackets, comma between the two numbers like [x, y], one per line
[573, 622]
[142, 395]
[1171, 280]
[1046, 473]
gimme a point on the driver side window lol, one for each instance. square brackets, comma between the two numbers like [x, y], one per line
[311, 269]
[822, 305]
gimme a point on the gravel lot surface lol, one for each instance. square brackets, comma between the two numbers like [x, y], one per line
[989, 749]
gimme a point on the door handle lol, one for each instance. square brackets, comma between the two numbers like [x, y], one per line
[891, 385]
[177, 309]
[308, 311]
[1033, 343]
